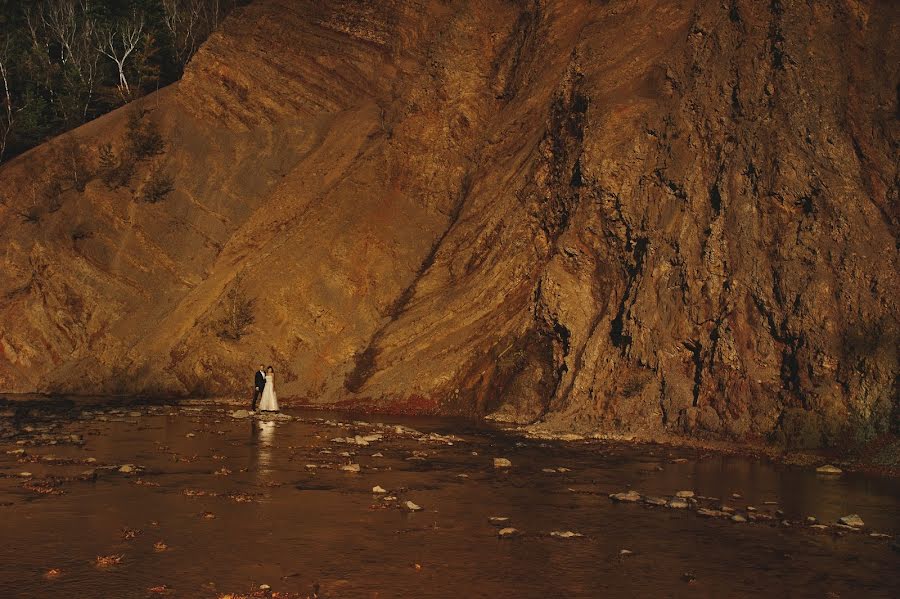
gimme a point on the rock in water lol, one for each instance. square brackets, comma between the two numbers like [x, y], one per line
[829, 469]
[498, 520]
[508, 532]
[126, 468]
[684, 494]
[412, 506]
[627, 497]
[852, 520]
[567, 534]
[502, 463]
[240, 414]
[379, 489]
[678, 504]
[350, 468]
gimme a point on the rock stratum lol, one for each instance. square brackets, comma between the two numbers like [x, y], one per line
[632, 216]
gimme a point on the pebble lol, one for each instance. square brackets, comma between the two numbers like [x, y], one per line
[134, 414]
[502, 463]
[852, 520]
[508, 532]
[126, 468]
[708, 513]
[25, 474]
[240, 414]
[350, 468]
[498, 520]
[829, 469]
[379, 489]
[738, 518]
[628, 497]
[264, 587]
[412, 506]
[624, 552]
[568, 534]
[678, 504]
[811, 520]
[652, 500]
[684, 494]
[377, 454]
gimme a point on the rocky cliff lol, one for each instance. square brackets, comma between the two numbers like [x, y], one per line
[630, 216]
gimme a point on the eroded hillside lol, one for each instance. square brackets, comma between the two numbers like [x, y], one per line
[628, 216]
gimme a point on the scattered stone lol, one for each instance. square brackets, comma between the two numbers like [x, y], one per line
[134, 414]
[829, 469]
[624, 552]
[653, 500]
[19, 451]
[240, 414]
[25, 474]
[378, 454]
[52, 573]
[159, 546]
[708, 513]
[736, 496]
[350, 468]
[684, 494]
[561, 469]
[750, 508]
[126, 468]
[819, 526]
[462, 476]
[190, 435]
[568, 534]
[106, 561]
[379, 489]
[264, 587]
[508, 532]
[738, 518]
[628, 497]
[412, 506]
[852, 520]
[502, 463]
[811, 520]
[498, 520]
[879, 535]
[727, 509]
[678, 504]
[549, 470]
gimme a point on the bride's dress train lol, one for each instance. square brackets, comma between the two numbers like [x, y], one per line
[269, 401]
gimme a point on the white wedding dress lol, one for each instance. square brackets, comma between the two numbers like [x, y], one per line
[269, 401]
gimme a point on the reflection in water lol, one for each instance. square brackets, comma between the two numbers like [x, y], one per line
[264, 445]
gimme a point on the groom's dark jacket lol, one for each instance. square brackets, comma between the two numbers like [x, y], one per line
[260, 380]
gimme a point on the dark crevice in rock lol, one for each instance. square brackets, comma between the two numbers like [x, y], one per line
[617, 327]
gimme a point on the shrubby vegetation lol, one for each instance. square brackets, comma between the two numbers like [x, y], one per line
[65, 62]
[236, 313]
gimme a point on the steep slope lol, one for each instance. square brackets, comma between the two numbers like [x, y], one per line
[630, 216]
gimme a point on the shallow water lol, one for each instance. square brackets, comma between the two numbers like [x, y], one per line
[270, 518]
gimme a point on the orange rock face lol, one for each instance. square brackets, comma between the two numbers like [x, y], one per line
[627, 217]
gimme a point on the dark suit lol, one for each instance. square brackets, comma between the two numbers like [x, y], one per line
[259, 385]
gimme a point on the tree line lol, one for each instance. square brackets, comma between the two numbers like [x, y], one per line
[66, 62]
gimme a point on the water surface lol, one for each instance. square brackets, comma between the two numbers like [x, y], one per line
[242, 502]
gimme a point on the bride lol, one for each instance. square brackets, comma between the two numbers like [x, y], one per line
[269, 401]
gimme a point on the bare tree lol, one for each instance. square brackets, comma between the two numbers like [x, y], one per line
[118, 42]
[9, 110]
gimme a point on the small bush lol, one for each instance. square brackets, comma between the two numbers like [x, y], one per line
[157, 187]
[142, 138]
[80, 233]
[237, 313]
[31, 215]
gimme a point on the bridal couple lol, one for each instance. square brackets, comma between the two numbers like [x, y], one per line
[264, 390]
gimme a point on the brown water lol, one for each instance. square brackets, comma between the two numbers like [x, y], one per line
[291, 526]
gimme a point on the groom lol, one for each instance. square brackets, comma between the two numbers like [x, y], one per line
[260, 383]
